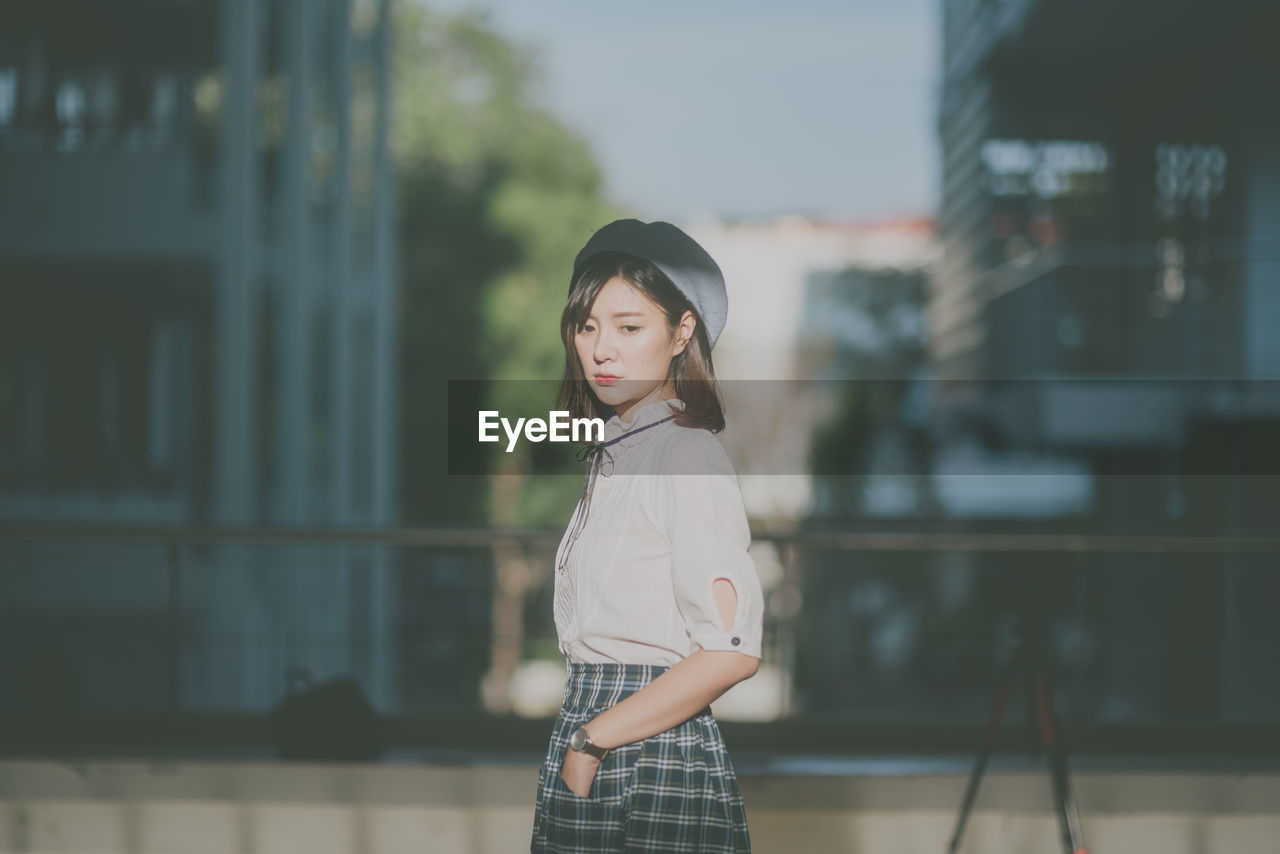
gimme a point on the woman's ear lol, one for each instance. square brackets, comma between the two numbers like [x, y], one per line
[684, 331]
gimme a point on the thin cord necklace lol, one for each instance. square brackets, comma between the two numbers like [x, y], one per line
[596, 455]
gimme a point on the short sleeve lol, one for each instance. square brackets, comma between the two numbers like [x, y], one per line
[706, 527]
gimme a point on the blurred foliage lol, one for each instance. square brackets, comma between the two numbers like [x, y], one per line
[496, 197]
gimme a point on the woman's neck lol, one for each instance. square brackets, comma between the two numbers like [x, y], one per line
[627, 415]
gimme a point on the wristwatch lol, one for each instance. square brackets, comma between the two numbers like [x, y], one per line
[579, 740]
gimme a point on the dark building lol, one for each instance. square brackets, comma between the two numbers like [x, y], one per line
[1110, 198]
[197, 327]
[1110, 289]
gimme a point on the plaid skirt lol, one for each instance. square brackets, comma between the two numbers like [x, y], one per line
[672, 792]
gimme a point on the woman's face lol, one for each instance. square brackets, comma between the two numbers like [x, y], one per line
[626, 348]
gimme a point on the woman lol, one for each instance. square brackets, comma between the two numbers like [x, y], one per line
[658, 605]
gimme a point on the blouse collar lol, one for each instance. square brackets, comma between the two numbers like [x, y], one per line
[643, 416]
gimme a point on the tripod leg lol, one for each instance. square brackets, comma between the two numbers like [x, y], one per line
[984, 752]
[1064, 800]
[1031, 698]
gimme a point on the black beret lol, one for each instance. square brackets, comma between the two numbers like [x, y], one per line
[675, 253]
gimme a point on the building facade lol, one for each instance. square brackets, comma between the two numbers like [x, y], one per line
[1108, 290]
[197, 276]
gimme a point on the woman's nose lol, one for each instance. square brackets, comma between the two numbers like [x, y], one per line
[604, 350]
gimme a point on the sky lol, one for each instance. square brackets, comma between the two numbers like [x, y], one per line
[743, 108]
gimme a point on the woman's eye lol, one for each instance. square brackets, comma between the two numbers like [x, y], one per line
[586, 327]
[631, 328]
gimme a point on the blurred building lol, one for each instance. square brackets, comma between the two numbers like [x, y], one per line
[807, 299]
[1109, 210]
[198, 326]
[1109, 198]
[1108, 290]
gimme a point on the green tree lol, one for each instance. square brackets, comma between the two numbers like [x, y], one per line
[496, 196]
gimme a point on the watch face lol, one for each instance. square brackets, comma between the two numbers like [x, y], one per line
[578, 739]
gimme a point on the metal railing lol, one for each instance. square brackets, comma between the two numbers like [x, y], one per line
[816, 568]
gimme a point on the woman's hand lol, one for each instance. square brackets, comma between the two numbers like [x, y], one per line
[579, 771]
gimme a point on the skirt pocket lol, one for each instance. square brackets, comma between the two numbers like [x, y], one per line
[597, 822]
[611, 784]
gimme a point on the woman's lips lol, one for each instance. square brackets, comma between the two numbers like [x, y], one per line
[606, 379]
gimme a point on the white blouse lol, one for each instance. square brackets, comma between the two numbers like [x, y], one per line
[664, 521]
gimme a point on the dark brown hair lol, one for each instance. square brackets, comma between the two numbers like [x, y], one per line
[692, 371]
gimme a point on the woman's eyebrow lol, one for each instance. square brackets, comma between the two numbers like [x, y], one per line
[628, 314]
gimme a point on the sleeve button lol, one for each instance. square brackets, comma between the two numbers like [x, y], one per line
[735, 641]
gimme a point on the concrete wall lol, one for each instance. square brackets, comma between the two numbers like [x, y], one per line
[246, 808]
